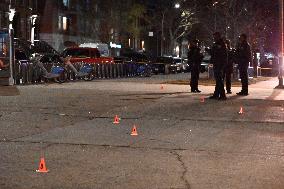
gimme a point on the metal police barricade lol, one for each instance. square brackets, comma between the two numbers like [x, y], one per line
[96, 70]
[119, 66]
[131, 66]
[100, 71]
[24, 70]
[119, 70]
[111, 70]
[116, 70]
[103, 70]
[124, 71]
[107, 70]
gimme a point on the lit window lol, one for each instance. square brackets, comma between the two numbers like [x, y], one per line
[60, 22]
[64, 23]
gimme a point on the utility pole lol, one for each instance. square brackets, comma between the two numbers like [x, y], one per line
[162, 36]
[11, 43]
[281, 54]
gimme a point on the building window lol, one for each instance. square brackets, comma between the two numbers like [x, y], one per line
[63, 23]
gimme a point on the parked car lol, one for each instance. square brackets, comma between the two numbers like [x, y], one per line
[102, 47]
[182, 65]
[185, 66]
[137, 57]
[178, 62]
[87, 55]
[164, 64]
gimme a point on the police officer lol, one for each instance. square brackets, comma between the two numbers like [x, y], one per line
[243, 54]
[219, 57]
[194, 60]
[229, 66]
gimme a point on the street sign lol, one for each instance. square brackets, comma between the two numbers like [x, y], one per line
[151, 34]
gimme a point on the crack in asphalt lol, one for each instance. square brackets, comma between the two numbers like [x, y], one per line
[48, 143]
[185, 170]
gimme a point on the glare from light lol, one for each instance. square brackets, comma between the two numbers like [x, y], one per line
[11, 14]
[215, 3]
[177, 5]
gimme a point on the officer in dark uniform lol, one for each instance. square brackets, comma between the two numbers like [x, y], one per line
[229, 68]
[194, 60]
[243, 54]
[219, 58]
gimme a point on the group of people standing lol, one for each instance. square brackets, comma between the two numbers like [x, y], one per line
[223, 58]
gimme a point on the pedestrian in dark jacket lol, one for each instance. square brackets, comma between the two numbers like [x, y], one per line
[194, 60]
[219, 58]
[243, 58]
[229, 68]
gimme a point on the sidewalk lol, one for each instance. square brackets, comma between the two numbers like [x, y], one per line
[263, 90]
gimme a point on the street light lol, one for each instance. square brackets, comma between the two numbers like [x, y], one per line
[33, 20]
[215, 11]
[11, 17]
[177, 5]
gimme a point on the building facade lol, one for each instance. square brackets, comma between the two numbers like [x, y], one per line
[64, 22]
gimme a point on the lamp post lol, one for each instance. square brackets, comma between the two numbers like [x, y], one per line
[281, 54]
[162, 35]
[11, 14]
[215, 15]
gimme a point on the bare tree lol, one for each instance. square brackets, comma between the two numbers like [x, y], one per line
[180, 26]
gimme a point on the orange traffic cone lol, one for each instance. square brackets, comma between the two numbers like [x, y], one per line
[116, 120]
[134, 131]
[241, 111]
[162, 87]
[202, 99]
[42, 166]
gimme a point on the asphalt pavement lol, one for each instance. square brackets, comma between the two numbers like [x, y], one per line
[182, 141]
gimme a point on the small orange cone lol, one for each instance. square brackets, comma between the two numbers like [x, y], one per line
[42, 166]
[116, 120]
[134, 131]
[162, 87]
[202, 99]
[241, 111]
